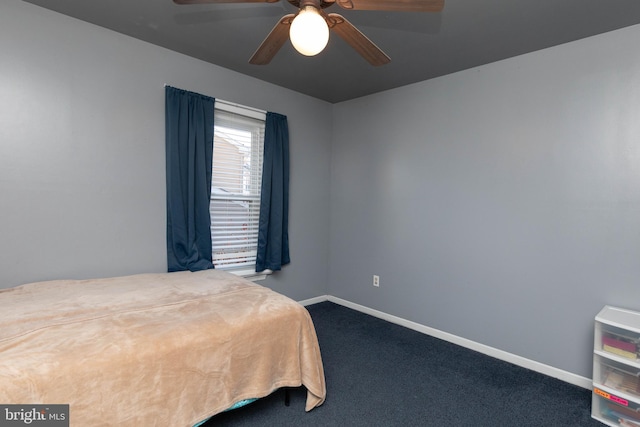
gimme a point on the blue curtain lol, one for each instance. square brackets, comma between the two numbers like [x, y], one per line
[189, 151]
[273, 231]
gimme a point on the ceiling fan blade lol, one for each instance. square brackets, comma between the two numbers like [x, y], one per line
[222, 1]
[393, 5]
[350, 34]
[274, 41]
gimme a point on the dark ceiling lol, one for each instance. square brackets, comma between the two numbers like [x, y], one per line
[466, 34]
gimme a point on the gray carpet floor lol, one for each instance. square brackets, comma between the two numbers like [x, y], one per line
[382, 374]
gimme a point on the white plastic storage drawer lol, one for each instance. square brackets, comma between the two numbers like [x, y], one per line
[614, 409]
[613, 374]
[617, 341]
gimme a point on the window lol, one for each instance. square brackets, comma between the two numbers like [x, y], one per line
[235, 186]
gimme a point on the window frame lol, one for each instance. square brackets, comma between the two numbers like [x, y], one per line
[251, 113]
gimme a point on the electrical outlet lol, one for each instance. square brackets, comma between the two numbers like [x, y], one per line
[376, 281]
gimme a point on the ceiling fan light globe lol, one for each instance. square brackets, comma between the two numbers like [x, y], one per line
[309, 32]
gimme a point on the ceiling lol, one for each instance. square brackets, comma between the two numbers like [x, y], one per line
[466, 34]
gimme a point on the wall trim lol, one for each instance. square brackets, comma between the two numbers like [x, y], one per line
[315, 300]
[523, 362]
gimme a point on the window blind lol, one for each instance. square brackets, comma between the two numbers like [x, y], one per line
[235, 188]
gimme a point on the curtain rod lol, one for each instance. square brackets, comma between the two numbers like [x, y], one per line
[233, 106]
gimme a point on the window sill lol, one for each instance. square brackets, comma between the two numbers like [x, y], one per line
[251, 275]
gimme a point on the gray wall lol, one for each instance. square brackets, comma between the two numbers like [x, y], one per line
[82, 181]
[500, 204]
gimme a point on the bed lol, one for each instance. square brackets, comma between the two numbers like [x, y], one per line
[167, 349]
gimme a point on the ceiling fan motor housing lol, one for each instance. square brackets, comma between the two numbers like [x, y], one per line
[319, 4]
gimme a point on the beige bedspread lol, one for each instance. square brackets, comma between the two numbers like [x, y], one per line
[153, 349]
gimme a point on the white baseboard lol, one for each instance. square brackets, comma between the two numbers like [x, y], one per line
[314, 300]
[463, 342]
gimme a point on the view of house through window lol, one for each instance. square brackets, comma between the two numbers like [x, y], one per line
[235, 186]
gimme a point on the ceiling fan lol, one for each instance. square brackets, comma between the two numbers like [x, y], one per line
[309, 27]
